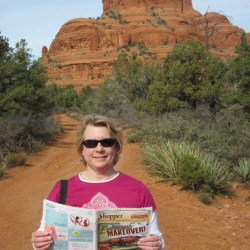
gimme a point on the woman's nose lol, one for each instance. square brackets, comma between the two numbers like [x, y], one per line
[99, 146]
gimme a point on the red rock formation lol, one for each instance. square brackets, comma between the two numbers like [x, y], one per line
[44, 51]
[178, 5]
[84, 49]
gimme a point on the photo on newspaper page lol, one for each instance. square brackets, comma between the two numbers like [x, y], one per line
[122, 228]
[71, 228]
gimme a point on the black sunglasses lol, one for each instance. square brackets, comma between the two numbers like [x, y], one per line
[107, 142]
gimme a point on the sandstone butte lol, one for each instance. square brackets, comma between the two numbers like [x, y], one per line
[83, 50]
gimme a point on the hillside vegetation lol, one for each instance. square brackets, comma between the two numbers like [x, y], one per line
[193, 105]
[26, 121]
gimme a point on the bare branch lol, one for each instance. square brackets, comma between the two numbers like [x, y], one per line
[210, 24]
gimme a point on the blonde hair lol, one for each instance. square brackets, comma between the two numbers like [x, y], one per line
[99, 121]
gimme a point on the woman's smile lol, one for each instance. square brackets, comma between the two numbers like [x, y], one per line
[100, 157]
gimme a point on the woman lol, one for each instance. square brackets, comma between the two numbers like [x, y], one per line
[99, 143]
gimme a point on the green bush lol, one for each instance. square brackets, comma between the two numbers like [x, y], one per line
[205, 198]
[161, 21]
[22, 88]
[109, 99]
[112, 14]
[132, 137]
[62, 97]
[126, 47]
[26, 134]
[191, 173]
[15, 159]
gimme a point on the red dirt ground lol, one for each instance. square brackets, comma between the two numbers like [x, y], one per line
[185, 222]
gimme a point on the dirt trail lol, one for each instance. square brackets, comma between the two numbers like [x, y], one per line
[185, 222]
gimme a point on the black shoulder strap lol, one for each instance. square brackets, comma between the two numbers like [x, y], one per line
[63, 192]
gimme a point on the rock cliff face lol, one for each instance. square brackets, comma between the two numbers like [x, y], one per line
[84, 49]
[177, 5]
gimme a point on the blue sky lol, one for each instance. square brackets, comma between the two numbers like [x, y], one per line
[39, 21]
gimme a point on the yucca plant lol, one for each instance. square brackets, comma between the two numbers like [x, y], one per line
[158, 161]
[219, 176]
[163, 160]
[242, 171]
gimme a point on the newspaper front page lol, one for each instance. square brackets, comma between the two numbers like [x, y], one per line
[74, 228]
[121, 229]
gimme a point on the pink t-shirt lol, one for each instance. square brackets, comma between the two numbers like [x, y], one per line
[122, 191]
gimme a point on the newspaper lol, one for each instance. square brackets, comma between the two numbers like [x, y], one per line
[74, 228]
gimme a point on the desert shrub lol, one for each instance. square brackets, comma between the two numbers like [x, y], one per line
[45, 129]
[191, 173]
[2, 171]
[205, 198]
[132, 136]
[226, 135]
[26, 134]
[112, 14]
[15, 159]
[144, 52]
[110, 100]
[161, 21]
[241, 171]
[126, 47]
[62, 97]
[14, 136]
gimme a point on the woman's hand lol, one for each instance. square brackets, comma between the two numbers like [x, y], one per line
[153, 242]
[41, 240]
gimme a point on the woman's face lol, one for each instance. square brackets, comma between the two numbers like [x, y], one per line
[100, 159]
